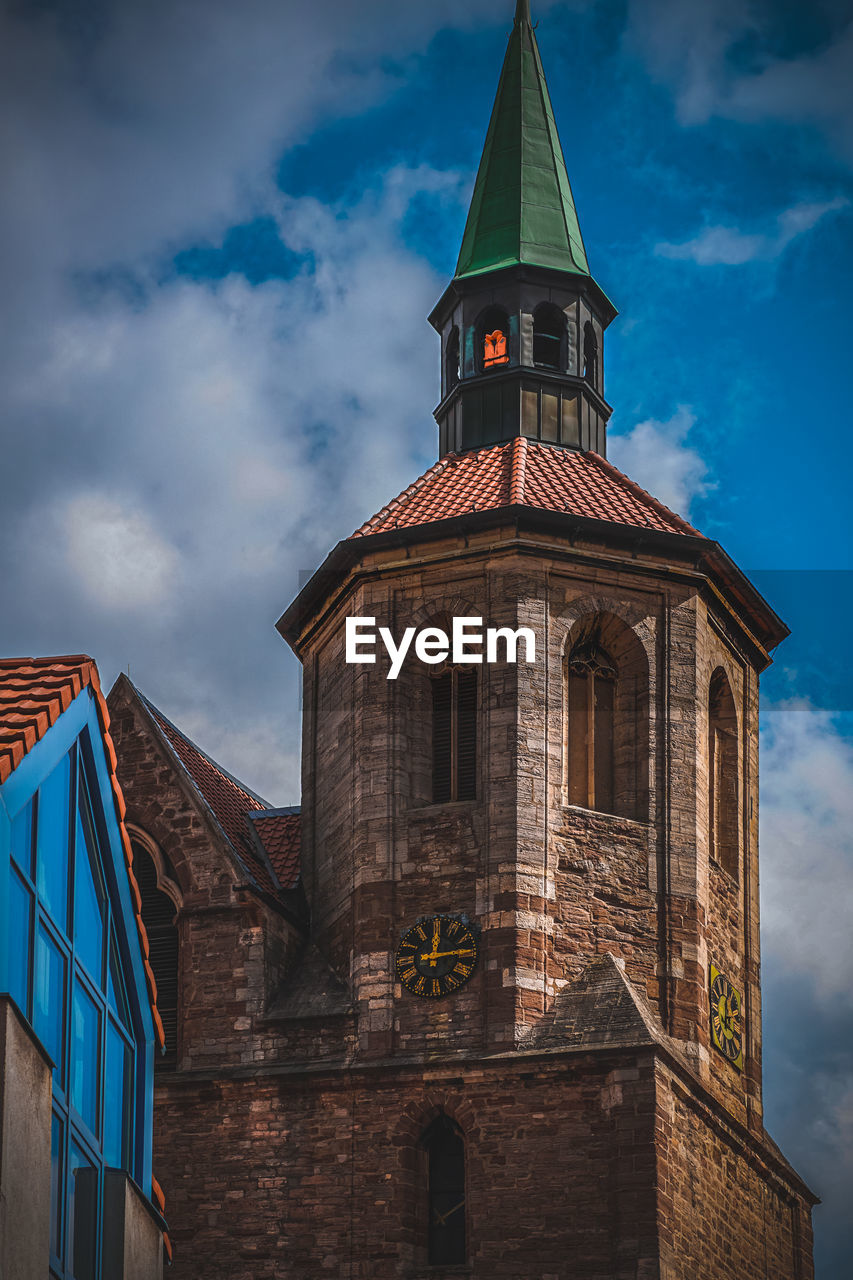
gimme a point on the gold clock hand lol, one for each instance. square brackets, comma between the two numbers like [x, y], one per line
[441, 1218]
[432, 956]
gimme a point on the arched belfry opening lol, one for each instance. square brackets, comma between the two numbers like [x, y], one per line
[607, 719]
[549, 337]
[590, 354]
[453, 371]
[493, 338]
[723, 789]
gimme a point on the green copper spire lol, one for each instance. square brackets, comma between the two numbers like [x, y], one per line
[522, 210]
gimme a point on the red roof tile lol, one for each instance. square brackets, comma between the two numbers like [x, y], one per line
[33, 694]
[280, 832]
[525, 473]
[230, 802]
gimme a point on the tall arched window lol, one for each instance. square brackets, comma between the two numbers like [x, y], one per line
[723, 774]
[592, 697]
[494, 337]
[452, 360]
[454, 735]
[607, 718]
[445, 1148]
[549, 328]
[590, 353]
[158, 914]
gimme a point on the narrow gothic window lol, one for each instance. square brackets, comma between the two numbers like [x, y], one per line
[158, 913]
[723, 775]
[445, 1149]
[592, 697]
[549, 325]
[494, 331]
[454, 736]
[590, 354]
[453, 370]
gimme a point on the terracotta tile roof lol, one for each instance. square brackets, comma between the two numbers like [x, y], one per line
[229, 800]
[280, 831]
[525, 473]
[34, 692]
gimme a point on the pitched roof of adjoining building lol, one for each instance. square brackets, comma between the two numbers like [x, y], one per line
[522, 209]
[232, 804]
[34, 692]
[524, 473]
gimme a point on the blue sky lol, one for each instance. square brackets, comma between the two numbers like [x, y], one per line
[204, 200]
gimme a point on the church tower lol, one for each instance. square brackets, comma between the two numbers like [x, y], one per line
[551, 860]
[490, 1005]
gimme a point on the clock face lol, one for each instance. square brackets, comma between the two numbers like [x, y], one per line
[437, 956]
[726, 1022]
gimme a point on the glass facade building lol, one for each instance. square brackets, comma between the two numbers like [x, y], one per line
[73, 965]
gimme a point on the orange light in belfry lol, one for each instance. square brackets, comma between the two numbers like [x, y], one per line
[495, 349]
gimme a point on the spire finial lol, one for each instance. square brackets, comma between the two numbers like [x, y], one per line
[522, 12]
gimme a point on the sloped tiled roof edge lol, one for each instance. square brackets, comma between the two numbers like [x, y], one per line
[229, 818]
[278, 832]
[521, 472]
[33, 694]
[480, 489]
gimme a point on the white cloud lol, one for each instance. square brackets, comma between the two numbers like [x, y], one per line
[727, 246]
[689, 47]
[807, 847]
[657, 456]
[117, 555]
[193, 453]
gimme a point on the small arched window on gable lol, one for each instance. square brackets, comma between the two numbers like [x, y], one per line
[494, 338]
[723, 774]
[592, 699]
[158, 915]
[452, 360]
[549, 331]
[445, 1148]
[590, 353]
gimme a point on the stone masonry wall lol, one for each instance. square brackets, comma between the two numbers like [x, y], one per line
[723, 1208]
[550, 884]
[304, 1177]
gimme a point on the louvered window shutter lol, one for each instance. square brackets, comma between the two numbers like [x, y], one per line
[158, 913]
[442, 737]
[466, 735]
[454, 736]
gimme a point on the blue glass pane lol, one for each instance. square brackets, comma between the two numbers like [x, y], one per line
[115, 985]
[52, 841]
[20, 932]
[22, 839]
[89, 900]
[85, 1056]
[56, 1152]
[117, 1098]
[83, 1180]
[49, 999]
